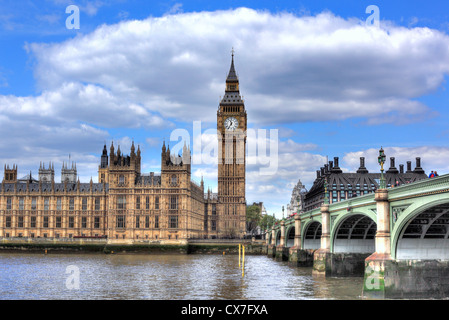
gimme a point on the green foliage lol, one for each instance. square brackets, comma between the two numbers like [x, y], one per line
[253, 217]
[267, 220]
[253, 213]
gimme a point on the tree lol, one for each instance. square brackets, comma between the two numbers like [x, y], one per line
[253, 217]
[267, 220]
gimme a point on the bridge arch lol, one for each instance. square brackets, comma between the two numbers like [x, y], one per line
[354, 233]
[290, 236]
[422, 232]
[311, 235]
[278, 237]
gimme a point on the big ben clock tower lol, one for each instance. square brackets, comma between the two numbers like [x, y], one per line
[231, 130]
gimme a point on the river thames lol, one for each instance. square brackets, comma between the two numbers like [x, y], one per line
[163, 277]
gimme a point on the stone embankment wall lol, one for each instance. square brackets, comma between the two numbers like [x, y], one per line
[113, 247]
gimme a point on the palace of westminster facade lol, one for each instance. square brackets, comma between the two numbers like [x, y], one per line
[127, 205]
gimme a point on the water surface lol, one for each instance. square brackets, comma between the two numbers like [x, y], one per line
[168, 277]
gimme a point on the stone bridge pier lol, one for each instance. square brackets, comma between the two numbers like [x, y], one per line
[271, 248]
[344, 249]
[298, 256]
[419, 265]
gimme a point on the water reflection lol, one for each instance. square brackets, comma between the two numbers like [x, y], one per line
[196, 277]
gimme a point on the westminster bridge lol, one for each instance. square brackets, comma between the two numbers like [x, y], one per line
[397, 238]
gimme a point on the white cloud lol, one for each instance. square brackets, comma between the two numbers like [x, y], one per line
[292, 68]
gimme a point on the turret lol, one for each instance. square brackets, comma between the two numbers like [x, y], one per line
[68, 174]
[46, 175]
[112, 154]
[104, 158]
[10, 175]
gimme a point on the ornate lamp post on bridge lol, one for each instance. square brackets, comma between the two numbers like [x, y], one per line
[381, 160]
[326, 195]
[298, 210]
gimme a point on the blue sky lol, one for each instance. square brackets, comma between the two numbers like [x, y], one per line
[138, 70]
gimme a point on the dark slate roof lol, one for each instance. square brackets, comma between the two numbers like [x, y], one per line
[26, 178]
[232, 98]
[353, 179]
[232, 75]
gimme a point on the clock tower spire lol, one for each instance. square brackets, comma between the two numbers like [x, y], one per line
[231, 130]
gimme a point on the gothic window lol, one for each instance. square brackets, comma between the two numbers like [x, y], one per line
[59, 204]
[137, 222]
[71, 222]
[138, 203]
[173, 180]
[45, 222]
[121, 202]
[97, 204]
[72, 204]
[173, 202]
[20, 222]
[21, 204]
[46, 204]
[8, 203]
[33, 204]
[120, 221]
[84, 204]
[84, 222]
[8, 222]
[58, 222]
[156, 203]
[121, 179]
[147, 203]
[33, 222]
[147, 222]
[156, 222]
[97, 223]
[173, 222]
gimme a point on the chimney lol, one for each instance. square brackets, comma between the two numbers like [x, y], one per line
[418, 168]
[362, 168]
[392, 166]
[409, 167]
[336, 167]
[331, 165]
[336, 162]
[318, 174]
[401, 168]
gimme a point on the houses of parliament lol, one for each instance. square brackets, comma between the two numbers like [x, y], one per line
[128, 205]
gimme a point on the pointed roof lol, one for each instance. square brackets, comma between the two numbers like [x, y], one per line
[232, 75]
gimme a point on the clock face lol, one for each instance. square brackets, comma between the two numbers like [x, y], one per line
[231, 123]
